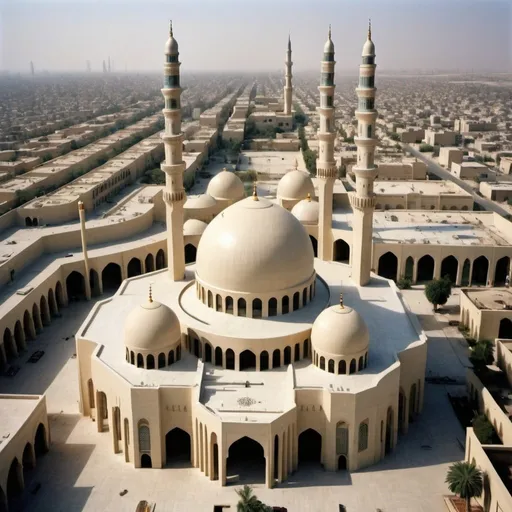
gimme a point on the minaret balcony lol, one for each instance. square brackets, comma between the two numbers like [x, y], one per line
[361, 203]
[365, 142]
[173, 169]
[366, 92]
[367, 116]
[326, 170]
[172, 138]
[326, 136]
[174, 198]
[327, 89]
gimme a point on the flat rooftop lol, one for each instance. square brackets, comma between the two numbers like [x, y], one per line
[422, 187]
[490, 298]
[15, 410]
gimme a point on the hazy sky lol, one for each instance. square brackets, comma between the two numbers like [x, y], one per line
[252, 34]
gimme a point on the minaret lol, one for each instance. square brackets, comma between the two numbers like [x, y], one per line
[326, 170]
[288, 89]
[363, 199]
[174, 166]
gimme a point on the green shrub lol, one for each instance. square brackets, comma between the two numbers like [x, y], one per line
[438, 291]
[483, 429]
[426, 148]
[404, 283]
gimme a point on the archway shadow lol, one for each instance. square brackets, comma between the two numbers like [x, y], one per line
[314, 475]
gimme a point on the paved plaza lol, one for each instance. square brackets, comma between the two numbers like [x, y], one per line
[81, 472]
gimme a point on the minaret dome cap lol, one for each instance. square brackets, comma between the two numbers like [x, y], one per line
[369, 47]
[329, 45]
[171, 46]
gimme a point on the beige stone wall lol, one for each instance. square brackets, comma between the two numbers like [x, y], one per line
[504, 358]
[496, 496]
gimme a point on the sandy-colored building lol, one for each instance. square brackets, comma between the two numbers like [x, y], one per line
[440, 137]
[496, 191]
[411, 135]
[449, 155]
[25, 435]
[472, 170]
[404, 170]
[506, 165]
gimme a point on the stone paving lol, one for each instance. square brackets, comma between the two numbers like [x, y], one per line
[82, 473]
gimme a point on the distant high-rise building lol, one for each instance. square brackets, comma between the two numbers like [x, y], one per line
[32, 68]
[288, 90]
[88, 66]
[104, 67]
[109, 69]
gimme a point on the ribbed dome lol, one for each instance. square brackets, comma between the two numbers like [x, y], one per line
[295, 185]
[194, 227]
[150, 327]
[368, 48]
[254, 246]
[199, 202]
[226, 186]
[340, 332]
[306, 211]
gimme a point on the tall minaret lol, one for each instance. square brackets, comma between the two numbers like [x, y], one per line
[326, 169]
[174, 166]
[288, 89]
[363, 199]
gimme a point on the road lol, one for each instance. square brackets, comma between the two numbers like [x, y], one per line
[436, 169]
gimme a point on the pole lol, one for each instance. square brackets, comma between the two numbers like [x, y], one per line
[81, 213]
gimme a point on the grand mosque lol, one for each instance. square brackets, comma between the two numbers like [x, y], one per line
[258, 358]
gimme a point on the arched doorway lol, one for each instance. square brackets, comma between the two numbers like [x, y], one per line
[502, 271]
[3, 501]
[190, 253]
[54, 311]
[246, 460]
[207, 352]
[28, 326]
[425, 269]
[45, 311]
[14, 484]
[75, 286]
[402, 411]
[94, 283]
[230, 359]
[40, 443]
[247, 360]
[59, 296]
[28, 222]
[341, 251]
[19, 336]
[412, 403]
[342, 445]
[149, 263]
[505, 330]
[314, 243]
[342, 463]
[218, 357]
[36, 317]
[134, 267]
[160, 259]
[145, 461]
[10, 347]
[111, 277]
[310, 447]
[264, 360]
[276, 358]
[480, 271]
[466, 268]
[177, 448]
[28, 458]
[449, 268]
[388, 266]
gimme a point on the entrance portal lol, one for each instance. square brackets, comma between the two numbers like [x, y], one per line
[310, 447]
[177, 448]
[246, 462]
[247, 360]
[342, 463]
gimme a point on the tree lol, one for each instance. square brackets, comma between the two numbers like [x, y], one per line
[465, 480]
[426, 148]
[395, 137]
[483, 429]
[482, 354]
[438, 291]
[248, 501]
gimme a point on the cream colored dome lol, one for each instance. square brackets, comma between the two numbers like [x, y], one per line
[329, 46]
[295, 185]
[194, 227]
[199, 202]
[368, 48]
[340, 332]
[306, 211]
[254, 246]
[150, 327]
[171, 46]
[226, 185]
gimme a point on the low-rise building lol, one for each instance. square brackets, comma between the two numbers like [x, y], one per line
[440, 138]
[449, 155]
[472, 170]
[496, 191]
[506, 165]
[411, 135]
[408, 169]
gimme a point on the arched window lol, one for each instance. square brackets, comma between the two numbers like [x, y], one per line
[132, 357]
[90, 387]
[210, 299]
[178, 352]
[161, 360]
[306, 349]
[150, 362]
[331, 366]
[363, 436]
[144, 436]
[256, 308]
[296, 300]
[140, 361]
[304, 296]
[285, 303]
[352, 366]
[229, 305]
[242, 308]
[218, 303]
[272, 307]
[342, 367]
[297, 352]
[322, 363]
[366, 360]
[287, 355]
[361, 363]
[342, 438]
[171, 357]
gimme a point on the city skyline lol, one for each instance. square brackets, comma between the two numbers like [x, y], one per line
[211, 35]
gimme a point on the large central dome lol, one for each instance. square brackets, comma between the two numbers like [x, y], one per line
[254, 246]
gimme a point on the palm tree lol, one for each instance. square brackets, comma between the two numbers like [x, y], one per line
[249, 502]
[466, 480]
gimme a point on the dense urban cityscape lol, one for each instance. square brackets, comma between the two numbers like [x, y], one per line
[220, 288]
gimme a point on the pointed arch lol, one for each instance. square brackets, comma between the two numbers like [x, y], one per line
[388, 266]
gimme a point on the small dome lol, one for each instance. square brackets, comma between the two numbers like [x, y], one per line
[306, 211]
[150, 327]
[194, 227]
[295, 185]
[199, 202]
[368, 48]
[255, 246]
[340, 332]
[329, 45]
[226, 186]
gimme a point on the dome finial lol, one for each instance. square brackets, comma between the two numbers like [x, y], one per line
[170, 28]
[329, 31]
[308, 197]
[150, 294]
[341, 301]
[296, 164]
[369, 29]
[254, 192]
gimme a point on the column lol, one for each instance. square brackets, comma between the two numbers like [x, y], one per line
[81, 214]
